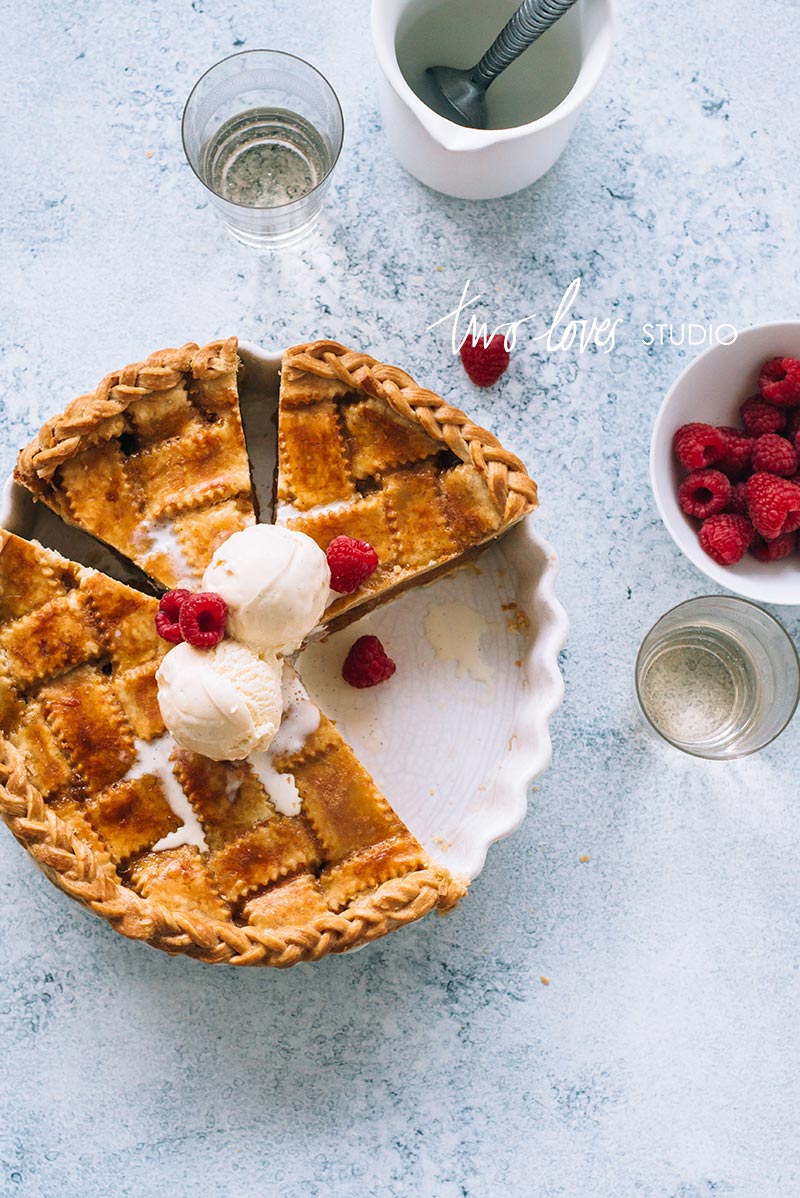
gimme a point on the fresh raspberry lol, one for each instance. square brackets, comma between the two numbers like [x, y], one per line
[780, 381]
[351, 564]
[698, 445]
[735, 461]
[774, 455]
[169, 609]
[774, 504]
[737, 504]
[202, 619]
[485, 361]
[367, 663]
[703, 493]
[726, 537]
[760, 417]
[774, 550]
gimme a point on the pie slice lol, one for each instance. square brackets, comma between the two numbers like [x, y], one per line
[153, 461]
[363, 451]
[284, 857]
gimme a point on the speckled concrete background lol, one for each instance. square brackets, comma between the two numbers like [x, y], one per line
[661, 1060]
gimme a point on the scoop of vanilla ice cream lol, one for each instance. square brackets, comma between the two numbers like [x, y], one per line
[276, 585]
[223, 702]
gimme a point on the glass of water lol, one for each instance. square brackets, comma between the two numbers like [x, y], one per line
[718, 677]
[262, 131]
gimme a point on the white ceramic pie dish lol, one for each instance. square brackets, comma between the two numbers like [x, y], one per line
[454, 753]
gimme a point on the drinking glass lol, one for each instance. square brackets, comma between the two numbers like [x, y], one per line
[718, 677]
[262, 131]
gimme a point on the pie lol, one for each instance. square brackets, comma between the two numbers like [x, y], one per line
[97, 789]
[366, 453]
[292, 854]
[153, 461]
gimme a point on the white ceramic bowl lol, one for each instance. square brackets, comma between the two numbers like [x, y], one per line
[453, 753]
[710, 390]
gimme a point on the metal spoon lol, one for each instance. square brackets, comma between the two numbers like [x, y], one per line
[462, 93]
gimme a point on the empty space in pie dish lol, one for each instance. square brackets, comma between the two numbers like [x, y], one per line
[456, 736]
[448, 738]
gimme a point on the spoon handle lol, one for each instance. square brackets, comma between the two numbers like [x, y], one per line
[530, 21]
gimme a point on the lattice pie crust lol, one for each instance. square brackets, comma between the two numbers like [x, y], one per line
[154, 462]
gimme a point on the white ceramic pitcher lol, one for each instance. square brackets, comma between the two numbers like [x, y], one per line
[533, 105]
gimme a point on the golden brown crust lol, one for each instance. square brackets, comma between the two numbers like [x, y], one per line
[86, 756]
[349, 863]
[365, 453]
[153, 461]
[97, 416]
[71, 863]
[326, 369]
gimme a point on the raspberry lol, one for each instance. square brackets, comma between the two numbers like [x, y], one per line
[780, 381]
[367, 663]
[698, 445]
[169, 609]
[202, 619]
[774, 504]
[703, 493]
[737, 504]
[735, 461]
[485, 361]
[726, 537]
[774, 455]
[792, 522]
[774, 550]
[351, 564]
[760, 417]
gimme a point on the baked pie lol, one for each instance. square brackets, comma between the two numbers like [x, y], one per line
[292, 853]
[284, 857]
[366, 453]
[153, 461]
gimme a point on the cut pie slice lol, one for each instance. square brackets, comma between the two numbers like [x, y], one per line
[284, 857]
[363, 451]
[153, 461]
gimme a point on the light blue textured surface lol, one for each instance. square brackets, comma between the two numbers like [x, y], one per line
[662, 1058]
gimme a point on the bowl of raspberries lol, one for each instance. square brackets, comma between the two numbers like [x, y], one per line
[725, 463]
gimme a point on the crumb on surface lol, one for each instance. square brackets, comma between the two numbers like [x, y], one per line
[443, 843]
[545, 981]
[585, 858]
[519, 622]
[149, 154]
